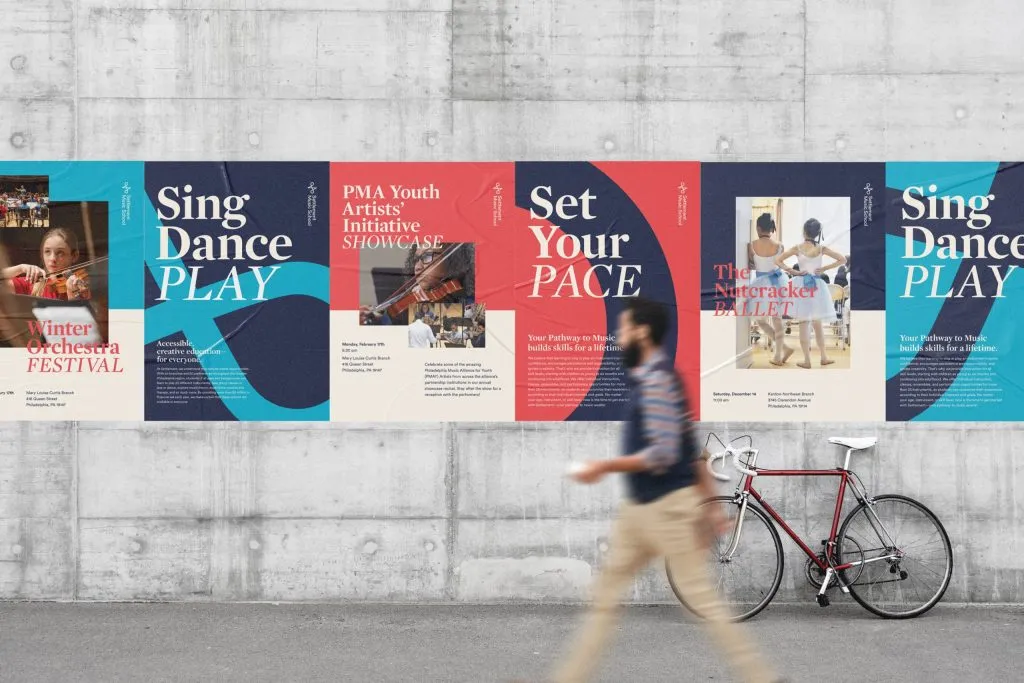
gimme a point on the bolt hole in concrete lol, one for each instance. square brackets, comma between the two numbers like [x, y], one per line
[609, 145]
[18, 62]
[431, 140]
[254, 545]
[254, 139]
[723, 145]
[16, 549]
[960, 113]
[370, 548]
[136, 546]
[840, 144]
[18, 140]
[429, 546]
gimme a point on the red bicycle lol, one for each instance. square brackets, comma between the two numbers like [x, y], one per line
[891, 554]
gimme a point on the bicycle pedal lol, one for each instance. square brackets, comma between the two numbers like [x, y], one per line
[823, 600]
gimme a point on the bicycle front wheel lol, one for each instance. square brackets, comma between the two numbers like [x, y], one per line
[746, 579]
[903, 557]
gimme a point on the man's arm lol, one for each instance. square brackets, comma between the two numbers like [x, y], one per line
[705, 480]
[717, 520]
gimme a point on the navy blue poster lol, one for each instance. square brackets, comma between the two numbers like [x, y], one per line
[793, 288]
[236, 294]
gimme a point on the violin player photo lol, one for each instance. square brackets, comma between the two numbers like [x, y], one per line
[396, 284]
[57, 277]
[65, 262]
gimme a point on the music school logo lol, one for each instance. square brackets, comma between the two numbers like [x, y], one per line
[311, 204]
[497, 205]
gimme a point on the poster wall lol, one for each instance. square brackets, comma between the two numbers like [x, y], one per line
[492, 292]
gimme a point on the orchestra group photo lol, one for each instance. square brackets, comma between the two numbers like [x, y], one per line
[24, 201]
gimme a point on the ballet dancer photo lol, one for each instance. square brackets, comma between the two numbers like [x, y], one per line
[770, 282]
[814, 306]
[790, 248]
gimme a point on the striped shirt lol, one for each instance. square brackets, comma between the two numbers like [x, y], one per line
[666, 418]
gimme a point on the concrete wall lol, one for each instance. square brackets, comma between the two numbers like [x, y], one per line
[427, 512]
[469, 512]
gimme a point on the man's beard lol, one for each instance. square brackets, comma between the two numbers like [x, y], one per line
[631, 355]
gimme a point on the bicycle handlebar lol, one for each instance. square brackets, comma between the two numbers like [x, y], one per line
[735, 453]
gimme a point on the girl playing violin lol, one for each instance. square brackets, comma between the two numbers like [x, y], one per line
[445, 274]
[58, 253]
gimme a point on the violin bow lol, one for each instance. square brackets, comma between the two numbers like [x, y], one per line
[410, 284]
[76, 266]
[87, 224]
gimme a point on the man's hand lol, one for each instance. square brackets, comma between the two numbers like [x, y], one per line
[718, 520]
[714, 523]
[591, 472]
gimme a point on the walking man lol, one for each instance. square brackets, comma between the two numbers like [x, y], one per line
[666, 480]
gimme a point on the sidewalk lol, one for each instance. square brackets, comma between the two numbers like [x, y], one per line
[370, 644]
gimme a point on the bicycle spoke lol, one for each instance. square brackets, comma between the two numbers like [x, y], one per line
[899, 586]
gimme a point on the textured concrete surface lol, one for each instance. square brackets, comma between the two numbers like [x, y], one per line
[470, 512]
[430, 513]
[378, 644]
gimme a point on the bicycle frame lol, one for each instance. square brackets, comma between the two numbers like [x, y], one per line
[745, 490]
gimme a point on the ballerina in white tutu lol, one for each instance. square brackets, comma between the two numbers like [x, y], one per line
[815, 307]
[767, 288]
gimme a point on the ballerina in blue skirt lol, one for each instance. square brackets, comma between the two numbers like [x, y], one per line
[768, 300]
[814, 307]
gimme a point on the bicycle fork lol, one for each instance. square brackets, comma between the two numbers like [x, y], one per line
[737, 529]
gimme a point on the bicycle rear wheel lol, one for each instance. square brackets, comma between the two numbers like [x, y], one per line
[912, 582]
[747, 580]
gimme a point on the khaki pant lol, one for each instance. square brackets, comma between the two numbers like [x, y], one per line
[668, 527]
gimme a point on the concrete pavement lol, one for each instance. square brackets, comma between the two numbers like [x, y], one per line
[371, 644]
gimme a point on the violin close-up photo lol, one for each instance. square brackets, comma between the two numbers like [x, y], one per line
[427, 276]
[72, 282]
[65, 260]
